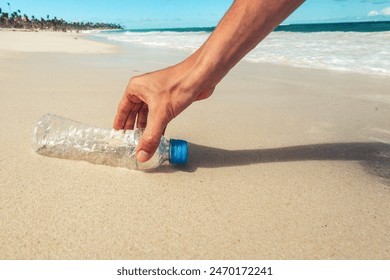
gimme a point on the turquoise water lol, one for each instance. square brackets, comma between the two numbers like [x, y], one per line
[358, 47]
[371, 26]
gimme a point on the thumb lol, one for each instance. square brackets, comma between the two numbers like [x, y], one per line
[151, 137]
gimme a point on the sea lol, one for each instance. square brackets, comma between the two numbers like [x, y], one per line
[349, 46]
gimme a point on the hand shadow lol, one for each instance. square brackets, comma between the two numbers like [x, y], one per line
[374, 156]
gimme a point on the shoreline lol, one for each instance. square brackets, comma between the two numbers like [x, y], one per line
[357, 51]
[185, 53]
[284, 163]
[95, 44]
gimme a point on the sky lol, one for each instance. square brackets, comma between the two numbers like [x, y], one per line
[189, 13]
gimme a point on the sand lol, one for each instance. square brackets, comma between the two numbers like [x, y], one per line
[284, 163]
[44, 42]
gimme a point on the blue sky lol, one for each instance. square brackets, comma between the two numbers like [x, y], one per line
[190, 13]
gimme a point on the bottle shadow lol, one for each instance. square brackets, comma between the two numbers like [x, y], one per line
[374, 156]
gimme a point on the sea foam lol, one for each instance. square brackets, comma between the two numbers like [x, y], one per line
[344, 51]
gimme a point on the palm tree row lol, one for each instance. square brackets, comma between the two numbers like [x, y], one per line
[18, 21]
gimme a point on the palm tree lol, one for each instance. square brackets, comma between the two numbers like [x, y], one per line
[32, 21]
[4, 19]
[16, 20]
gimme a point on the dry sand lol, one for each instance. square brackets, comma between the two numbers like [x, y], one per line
[44, 42]
[285, 163]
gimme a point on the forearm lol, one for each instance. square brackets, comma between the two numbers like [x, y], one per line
[154, 99]
[245, 24]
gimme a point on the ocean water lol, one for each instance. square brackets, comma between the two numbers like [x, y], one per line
[357, 47]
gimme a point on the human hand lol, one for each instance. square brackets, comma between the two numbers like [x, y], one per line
[152, 100]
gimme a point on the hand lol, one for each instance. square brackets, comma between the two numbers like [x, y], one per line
[152, 100]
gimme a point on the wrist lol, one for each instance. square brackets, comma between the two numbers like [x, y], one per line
[202, 71]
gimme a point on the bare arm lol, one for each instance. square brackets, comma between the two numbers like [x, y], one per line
[242, 28]
[152, 100]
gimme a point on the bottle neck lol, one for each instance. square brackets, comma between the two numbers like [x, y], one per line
[166, 153]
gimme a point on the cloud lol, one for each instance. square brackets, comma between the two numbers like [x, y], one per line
[386, 11]
[373, 13]
[383, 12]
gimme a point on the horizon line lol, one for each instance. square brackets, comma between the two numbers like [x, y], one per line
[203, 28]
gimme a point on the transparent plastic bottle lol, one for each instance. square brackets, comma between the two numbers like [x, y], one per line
[55, 136]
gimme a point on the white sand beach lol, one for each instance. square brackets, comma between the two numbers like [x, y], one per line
[284, 163]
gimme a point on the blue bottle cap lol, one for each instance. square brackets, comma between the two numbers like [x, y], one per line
[178, 153]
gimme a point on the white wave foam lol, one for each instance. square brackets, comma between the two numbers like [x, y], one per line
[352, 51]
[345, 51]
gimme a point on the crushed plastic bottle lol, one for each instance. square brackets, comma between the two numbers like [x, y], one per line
[55, 136]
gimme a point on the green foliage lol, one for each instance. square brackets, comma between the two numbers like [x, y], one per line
[17, 21]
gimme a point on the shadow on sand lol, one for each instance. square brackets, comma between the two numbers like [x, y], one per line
[374, 156]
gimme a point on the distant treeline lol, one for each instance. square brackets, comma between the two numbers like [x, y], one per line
[18, 21]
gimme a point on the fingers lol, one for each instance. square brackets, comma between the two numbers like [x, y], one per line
[142, 116]
[132, 110]
[122, 113]
[132, 115]
[152, 136]
[127, 111]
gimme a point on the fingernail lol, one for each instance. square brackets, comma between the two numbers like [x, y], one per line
[143, 156]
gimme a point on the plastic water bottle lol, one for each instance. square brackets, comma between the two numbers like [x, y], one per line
[55, 136]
